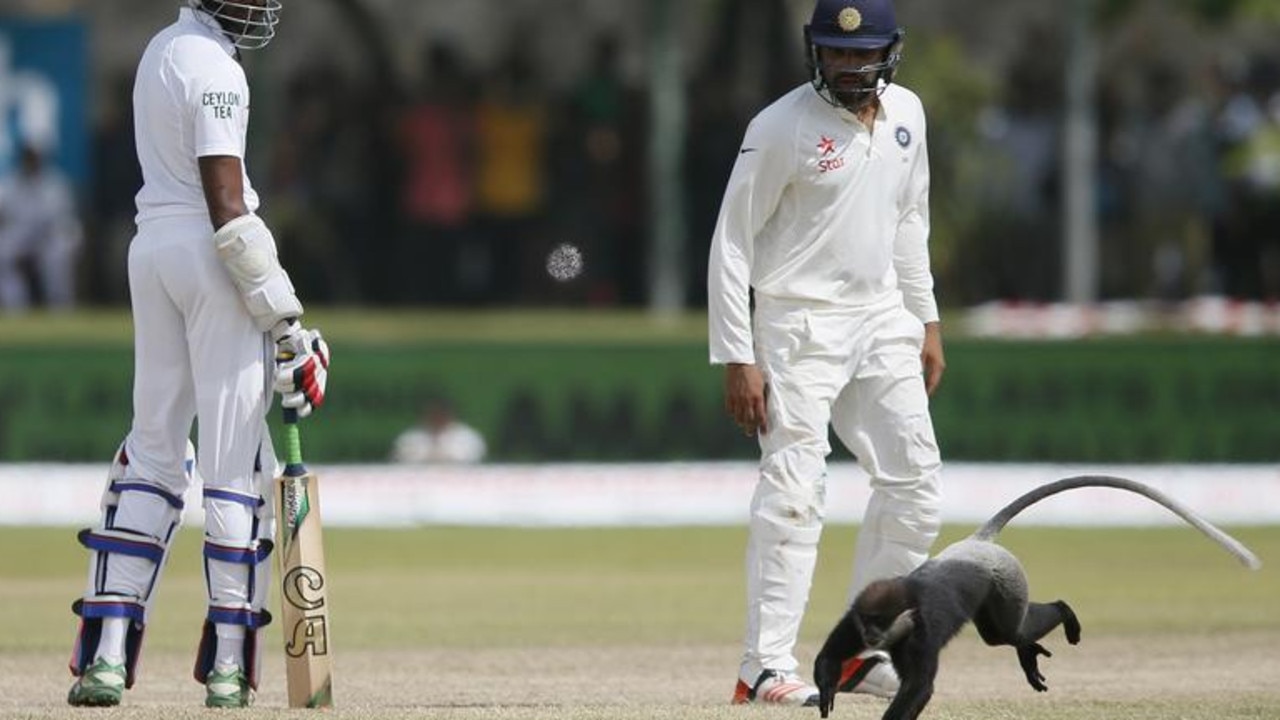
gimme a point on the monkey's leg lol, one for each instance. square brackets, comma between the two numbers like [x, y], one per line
[1027, 658]
[997, 627]
[1041, 618]
[1070, 624]
[917, 665]
[1000, 618]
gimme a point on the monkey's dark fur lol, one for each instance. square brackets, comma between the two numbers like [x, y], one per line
[973, 579]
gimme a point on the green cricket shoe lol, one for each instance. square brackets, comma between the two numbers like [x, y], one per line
[227, 689]
[101, 685]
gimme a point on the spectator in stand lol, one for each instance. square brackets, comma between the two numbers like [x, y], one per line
[439, 437]
[513, 127]
[437, 134]
[110, 209]
[601, 195]
[40, 232]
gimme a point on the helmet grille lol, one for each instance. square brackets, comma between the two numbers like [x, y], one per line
[248, 24]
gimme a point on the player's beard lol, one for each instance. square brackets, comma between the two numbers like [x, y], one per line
[854, 91]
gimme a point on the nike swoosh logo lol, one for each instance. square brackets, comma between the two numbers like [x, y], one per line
[744, 151]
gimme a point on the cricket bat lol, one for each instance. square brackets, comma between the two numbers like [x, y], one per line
[304, 611]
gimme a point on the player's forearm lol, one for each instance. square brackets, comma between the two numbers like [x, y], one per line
[728, 305]
[911, 263]
[222, 179]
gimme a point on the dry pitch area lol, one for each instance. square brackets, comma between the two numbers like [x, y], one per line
[632, 624]
[1201, 677]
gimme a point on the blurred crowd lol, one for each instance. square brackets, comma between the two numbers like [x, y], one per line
[1188, 186]
[450, 193]
[451, 188]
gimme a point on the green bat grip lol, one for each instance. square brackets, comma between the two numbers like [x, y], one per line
[292, 440]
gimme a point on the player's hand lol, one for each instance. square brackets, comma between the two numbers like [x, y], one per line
[931, 356]
[744, 398]
[302, 368]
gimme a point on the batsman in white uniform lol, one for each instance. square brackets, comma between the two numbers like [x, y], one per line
[826, 219]
[215, 327]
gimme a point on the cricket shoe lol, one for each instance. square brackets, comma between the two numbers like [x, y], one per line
[227, 689]
[774, 687]
[871, 673]
[100, 685]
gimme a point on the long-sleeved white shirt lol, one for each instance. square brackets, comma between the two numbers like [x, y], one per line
[820, 210]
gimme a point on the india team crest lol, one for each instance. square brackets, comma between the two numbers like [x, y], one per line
[849, 19]
[903, 136]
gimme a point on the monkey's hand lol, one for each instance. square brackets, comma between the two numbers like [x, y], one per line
[826, 675]
[1027, 657]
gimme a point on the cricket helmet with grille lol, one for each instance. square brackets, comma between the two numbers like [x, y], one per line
[853, 25]
[249, 24]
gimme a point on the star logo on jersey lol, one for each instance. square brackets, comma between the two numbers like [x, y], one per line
[826, 162]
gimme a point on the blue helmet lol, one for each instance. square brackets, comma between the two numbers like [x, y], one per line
[859, 25]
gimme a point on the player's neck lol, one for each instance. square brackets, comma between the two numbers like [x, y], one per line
[867, 114]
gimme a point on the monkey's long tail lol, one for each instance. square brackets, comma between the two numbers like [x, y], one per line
[1002, 518]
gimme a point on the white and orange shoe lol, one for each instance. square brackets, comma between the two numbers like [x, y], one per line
[775, 687]
[870, 673]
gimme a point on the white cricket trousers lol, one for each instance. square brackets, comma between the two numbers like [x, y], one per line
[198, 354]
[857, 370]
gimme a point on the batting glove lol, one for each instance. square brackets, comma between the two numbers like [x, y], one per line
[302, 368]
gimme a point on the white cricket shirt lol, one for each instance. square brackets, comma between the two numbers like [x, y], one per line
[190, 100]
[819, 210]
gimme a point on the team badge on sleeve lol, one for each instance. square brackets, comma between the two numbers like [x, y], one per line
[222, 104]
[903, 136]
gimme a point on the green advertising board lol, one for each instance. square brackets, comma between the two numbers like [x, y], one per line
[1140, 400]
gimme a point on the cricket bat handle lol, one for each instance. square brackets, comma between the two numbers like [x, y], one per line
[292, 438]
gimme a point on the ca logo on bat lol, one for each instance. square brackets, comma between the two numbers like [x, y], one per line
[303, 589]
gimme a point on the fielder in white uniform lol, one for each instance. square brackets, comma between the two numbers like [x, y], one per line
[826, 219]
[215, 322]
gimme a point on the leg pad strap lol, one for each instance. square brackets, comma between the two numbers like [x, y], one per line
[91, 612]
[122, 542]
[253, 621]
[254, 553]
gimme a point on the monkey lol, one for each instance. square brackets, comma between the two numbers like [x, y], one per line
[911, 618]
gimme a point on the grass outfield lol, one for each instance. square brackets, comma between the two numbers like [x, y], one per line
[630, 623]
[418, 326]
[394, 327]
